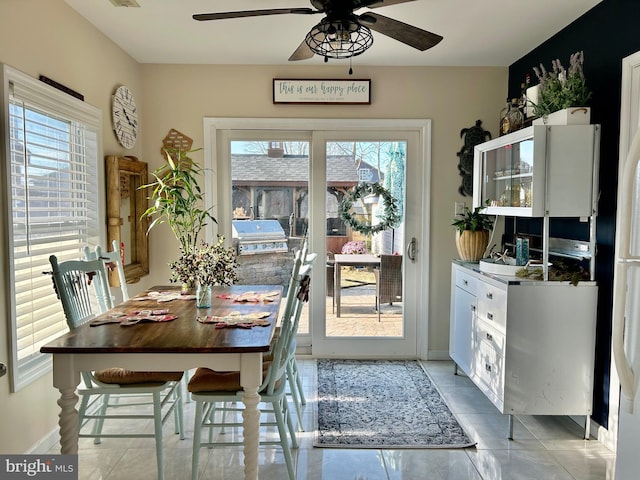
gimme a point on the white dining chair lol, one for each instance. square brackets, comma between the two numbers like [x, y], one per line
[113, 260]
[221, 391]
[294, 378]
[82, 287]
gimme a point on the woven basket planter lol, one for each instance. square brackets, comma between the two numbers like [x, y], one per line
[471, 245]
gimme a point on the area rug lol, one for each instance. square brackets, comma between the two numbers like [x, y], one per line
[382, 404]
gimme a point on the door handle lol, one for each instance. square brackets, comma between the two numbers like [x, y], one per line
[412, 250]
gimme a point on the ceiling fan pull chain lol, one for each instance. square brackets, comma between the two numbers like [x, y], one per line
[350, 65]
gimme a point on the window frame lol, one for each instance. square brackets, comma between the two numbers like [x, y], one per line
[55, 104]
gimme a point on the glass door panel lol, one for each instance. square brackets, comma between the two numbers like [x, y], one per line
[364, 294]
[269, 206]
[370, 283]
[508, 175]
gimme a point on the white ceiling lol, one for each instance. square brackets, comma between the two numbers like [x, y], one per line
[476, 32]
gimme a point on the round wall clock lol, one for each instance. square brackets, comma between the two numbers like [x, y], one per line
[125, 117]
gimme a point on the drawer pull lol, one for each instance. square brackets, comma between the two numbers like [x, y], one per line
[465, 282]
[489, 337]
[489, 295]
[490, 316]
[473, 308]
[487, 367]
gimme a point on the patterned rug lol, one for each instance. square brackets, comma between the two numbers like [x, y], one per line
[382, 404]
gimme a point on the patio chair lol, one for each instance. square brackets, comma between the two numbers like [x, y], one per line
[82, 287]
[388, 280]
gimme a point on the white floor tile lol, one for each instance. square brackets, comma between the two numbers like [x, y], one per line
[549, 448]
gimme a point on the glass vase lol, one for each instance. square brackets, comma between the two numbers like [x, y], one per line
[203, 296]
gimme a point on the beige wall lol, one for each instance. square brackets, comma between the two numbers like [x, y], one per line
[179, 96]
[46, 37]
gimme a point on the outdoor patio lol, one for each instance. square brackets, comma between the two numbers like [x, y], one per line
[358, 316]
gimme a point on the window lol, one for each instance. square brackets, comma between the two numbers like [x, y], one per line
[365, 174]
[51, 150]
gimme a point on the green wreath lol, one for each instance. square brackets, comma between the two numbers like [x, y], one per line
[390, 218]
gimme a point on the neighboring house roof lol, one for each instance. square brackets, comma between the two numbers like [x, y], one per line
[291, 170]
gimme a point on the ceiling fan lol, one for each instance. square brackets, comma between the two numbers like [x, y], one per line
[342, 33]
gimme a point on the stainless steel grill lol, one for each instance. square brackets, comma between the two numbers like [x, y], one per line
[258, 236]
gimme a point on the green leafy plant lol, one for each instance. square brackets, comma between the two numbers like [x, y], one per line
[473, 220]
[561, 88]
[178, 199]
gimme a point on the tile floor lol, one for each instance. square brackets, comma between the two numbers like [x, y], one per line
[544, 448]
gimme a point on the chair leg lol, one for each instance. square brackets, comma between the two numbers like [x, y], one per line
[287, 416]
[211, 415]
[278, 408]
[83, 409]
[293, 388]
[303, 400]
[178, 411]
[197, 432]
[185, 377]
[157, 420]
[223, 412]
[97, 428]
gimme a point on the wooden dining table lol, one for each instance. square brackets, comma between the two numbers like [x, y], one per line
[350, 260]
[177, 345]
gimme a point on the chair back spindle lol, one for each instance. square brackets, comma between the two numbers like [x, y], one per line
[82, 288]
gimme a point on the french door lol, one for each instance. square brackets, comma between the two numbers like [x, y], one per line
[313, 172]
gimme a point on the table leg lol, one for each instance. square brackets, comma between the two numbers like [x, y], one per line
[65, 379]
[336, 286]
[250, 379]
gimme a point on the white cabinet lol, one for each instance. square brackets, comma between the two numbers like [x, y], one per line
[537, 171]
[527, 345]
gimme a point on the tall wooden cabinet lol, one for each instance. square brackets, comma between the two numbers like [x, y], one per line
[529, 344]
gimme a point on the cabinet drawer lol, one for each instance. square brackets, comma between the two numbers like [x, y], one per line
[489, 367]
[466, 281]
[492, 304]
[492, 336]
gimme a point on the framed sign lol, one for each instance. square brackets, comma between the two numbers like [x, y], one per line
[322, 91]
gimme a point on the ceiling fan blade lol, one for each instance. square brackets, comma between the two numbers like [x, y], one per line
[253, 13]
[303, 52]
[384, 3]
[403, 32]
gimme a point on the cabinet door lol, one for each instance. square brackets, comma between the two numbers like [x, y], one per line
[462, 341]
[572, 171]
[508, 174]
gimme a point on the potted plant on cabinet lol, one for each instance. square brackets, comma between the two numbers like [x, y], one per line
[563, 90]
[472, 233]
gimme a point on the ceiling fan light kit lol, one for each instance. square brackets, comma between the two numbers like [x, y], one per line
[339, 39]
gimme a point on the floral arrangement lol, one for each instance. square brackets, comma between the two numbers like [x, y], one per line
[353, 247]
[561, 88]
[389, 216]
[209, 264]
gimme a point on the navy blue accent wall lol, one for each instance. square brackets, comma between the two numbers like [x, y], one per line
[606, 34]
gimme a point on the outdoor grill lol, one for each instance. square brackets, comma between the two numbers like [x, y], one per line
[259, 236]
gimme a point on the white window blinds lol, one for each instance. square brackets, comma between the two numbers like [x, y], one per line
[52, 149]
